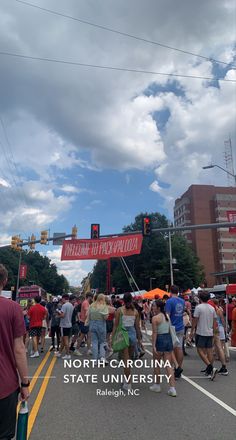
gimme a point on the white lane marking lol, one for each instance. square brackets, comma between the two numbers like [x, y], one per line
[224, 405]
[149, 352]
[194, 384]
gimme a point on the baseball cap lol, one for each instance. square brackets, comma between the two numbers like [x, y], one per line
[55, 300]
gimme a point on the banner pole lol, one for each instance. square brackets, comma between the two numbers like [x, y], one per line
[18, 275]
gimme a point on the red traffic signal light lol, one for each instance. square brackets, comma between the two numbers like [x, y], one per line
[95, 231]
[146, 226]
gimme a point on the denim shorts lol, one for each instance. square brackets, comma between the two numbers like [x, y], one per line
[164, 343]
[132, 335]
[83, 328]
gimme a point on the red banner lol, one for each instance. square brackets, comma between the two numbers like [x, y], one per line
[102, 249]
[231, 215]
[23, 271]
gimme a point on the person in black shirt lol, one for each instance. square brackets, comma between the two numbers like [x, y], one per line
[75, 324]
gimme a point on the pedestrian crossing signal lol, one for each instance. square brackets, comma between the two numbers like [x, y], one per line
[146, 226]
[95, 231]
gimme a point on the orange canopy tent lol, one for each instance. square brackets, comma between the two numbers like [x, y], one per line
[155, 293]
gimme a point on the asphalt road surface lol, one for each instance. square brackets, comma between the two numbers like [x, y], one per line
[58, 410]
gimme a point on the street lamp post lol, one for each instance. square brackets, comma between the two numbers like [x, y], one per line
[207, 167]
[151, 282]
[171, 261]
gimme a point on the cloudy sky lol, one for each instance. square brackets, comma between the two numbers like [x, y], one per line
[82, 145]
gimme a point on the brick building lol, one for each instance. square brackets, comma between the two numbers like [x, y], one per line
[216, 248]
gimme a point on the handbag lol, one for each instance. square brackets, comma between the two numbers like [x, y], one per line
[174, 337]
[120, 339]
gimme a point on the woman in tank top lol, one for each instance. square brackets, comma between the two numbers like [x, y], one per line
[162, 347]
[130, 320]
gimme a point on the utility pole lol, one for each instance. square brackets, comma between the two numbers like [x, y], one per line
[171, 262]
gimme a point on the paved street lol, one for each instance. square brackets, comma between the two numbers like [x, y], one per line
[74, 411]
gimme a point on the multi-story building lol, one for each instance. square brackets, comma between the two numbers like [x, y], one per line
[215, 248]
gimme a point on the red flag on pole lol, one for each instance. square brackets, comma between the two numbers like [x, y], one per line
[23, 271]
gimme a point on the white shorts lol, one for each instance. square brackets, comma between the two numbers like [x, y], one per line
[221, 333]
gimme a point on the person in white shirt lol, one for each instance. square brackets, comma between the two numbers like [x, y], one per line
[204, 324]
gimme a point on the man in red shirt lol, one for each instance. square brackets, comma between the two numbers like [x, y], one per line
[13, 362]
[37, 314]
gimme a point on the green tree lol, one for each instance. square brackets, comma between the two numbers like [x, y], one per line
[40, 271]
[153, 262]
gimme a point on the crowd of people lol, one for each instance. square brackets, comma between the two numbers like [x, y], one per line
[178, 322]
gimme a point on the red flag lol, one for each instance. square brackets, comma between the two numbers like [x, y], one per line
[23, 271]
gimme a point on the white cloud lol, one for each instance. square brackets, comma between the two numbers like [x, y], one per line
[74, 271]
[155, 187]
[33, 206]
[69, 189]
[59, 117]
[3, 182]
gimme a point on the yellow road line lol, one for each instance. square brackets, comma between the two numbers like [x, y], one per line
[34, 411]
[36, 375]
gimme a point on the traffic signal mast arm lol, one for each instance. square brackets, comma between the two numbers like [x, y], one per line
[168, 229]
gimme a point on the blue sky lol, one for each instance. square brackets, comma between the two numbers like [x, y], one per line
[82, 145]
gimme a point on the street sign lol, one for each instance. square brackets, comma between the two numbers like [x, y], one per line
[57, 241]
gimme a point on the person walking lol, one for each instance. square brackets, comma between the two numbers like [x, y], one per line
[37, 314]
[205, 324]
[55, 324]
[84, 329]
[65, 315]
[130, 321]
[162, 348]
[96, 319]
[14, 370]
[175, 309]
[219, 337]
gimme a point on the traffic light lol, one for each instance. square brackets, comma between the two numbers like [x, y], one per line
[95, 231]
[44, 237]
[32, 239]
[146, 226]
[14, 241]
[74, 232]
[19, 241]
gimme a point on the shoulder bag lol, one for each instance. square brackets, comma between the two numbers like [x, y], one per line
[120, 340]
[174, 337]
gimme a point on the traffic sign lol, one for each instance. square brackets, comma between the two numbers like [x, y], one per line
[57, 241]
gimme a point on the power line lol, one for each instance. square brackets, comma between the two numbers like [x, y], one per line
[121, 69]
[11, 157]
[135, 37]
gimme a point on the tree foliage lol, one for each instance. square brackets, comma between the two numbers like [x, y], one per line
[153, 262]
[40, 271]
